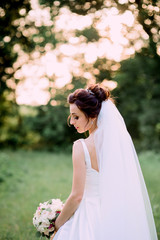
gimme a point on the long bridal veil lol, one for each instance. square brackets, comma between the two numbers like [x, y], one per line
[126, 212]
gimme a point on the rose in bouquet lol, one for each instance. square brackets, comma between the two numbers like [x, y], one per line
[45, 216]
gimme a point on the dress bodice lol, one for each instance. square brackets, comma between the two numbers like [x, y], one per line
[92, 176]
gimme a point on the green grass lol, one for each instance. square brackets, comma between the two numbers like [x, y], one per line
[150, 164]
[28, 178]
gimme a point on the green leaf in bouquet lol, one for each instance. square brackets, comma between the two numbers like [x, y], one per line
[45, 236]
[49, 201]
[57, 214]
[48, 209]
[38, 234]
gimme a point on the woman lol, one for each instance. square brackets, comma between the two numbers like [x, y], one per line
[109, 200]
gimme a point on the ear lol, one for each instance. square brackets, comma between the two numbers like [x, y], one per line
[92, 120]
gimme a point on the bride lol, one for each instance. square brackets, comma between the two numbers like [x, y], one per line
[109, 199]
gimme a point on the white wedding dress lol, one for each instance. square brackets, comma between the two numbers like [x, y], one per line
[84, 222]
[115, 204]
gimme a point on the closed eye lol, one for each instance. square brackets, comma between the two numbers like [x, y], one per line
[76, 118]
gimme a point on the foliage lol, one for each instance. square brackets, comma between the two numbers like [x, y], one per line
[10, 35]
[82, 7]
[90, 34]
[51, 125]
[138, 77]
[51, 121]
[138, 90]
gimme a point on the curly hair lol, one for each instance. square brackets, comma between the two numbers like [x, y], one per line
[89, 100]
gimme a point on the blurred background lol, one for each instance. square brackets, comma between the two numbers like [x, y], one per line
[50, 48]
[47, 50]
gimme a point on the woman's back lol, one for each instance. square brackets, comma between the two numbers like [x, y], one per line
[92, 176]
[92, 152]
[83, 224]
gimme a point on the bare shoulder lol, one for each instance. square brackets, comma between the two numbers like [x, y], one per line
[77, 148]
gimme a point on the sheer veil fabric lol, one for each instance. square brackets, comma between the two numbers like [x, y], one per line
[126, 212]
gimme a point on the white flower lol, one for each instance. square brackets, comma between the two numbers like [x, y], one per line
[45, 213]
[46, 232]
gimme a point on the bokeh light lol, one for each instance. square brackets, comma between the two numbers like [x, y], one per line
[66, 58]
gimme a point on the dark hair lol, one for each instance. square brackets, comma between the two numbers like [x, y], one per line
[89, 100]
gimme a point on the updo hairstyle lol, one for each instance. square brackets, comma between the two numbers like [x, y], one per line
[89, 100]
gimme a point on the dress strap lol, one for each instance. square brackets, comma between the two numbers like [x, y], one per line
[86, 152]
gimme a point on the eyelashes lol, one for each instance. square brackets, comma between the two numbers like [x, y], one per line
[76, 118]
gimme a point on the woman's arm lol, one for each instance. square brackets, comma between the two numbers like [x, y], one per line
[79, 174]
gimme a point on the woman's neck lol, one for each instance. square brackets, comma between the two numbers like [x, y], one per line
[93, 128]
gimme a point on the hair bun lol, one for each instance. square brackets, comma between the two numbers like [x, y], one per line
[100, 93]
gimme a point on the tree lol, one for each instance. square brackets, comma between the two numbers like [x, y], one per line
[139, 81]
[138, 90]
[24, 35]
[10, 13]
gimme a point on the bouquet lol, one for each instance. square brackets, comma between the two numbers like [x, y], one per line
[45, 216]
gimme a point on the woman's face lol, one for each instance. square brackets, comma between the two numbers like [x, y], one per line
[79, 120]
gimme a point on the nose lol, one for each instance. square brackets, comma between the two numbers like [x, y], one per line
[71, 121]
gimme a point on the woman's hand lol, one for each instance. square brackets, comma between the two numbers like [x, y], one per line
[56, 229]
[53, 235]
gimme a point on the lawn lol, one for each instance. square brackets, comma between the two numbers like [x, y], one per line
[28, 178]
